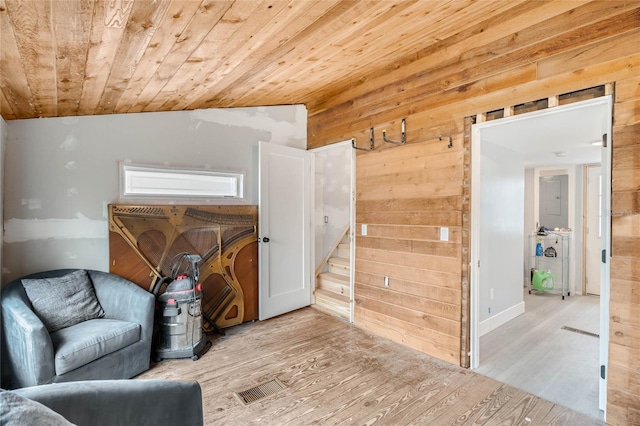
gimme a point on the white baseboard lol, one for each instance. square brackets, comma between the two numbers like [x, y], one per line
[499, 319]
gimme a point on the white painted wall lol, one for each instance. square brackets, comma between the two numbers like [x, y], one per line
[332, 196]
[61, 173]
[574, 171]
[529, 219]
[501, 234]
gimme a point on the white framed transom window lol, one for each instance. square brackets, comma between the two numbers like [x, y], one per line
[138, 180]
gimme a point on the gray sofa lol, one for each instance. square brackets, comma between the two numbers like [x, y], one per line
[31, 355]
[106, 402]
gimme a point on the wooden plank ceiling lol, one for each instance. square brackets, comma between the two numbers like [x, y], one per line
[81, 57]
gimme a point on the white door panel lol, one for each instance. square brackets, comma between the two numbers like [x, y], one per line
[285, 229]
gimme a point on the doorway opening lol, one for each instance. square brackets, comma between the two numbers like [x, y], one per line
[334, 227]
[520, 334]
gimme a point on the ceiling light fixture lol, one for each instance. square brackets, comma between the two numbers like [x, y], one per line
[561, 154]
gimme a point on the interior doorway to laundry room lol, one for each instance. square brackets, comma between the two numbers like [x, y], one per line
[549, 343]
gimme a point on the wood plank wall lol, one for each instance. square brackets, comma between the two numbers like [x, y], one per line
[533, 51]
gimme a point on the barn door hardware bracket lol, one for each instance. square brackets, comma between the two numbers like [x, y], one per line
[450, 141]
[353, 142]
[403, 136]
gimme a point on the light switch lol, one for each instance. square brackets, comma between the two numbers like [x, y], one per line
[364, 229]
[444, 233]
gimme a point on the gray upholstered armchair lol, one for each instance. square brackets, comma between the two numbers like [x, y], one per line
[105, 402]
[117, 345]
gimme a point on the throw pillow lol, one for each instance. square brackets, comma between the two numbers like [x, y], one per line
[63, 301]
[16, 410]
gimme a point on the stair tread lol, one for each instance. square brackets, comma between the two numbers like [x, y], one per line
[332, 276]
[338, 298]
[343, 261]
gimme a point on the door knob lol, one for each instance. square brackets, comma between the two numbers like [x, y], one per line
[265, 239]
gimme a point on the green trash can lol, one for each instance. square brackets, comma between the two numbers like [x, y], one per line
[542, 280]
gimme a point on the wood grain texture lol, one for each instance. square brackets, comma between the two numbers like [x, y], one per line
[337, 374]
[563, 50]
[356, 65]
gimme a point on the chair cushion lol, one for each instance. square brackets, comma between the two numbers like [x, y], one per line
[16, 410]
[82, 343]
[63, 301]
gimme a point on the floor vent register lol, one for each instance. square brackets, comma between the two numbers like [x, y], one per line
[256, 393]
[577, 330]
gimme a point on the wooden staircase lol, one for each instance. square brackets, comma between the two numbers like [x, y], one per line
[332, 287]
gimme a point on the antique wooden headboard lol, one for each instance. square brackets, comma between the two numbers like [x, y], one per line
[144, 242]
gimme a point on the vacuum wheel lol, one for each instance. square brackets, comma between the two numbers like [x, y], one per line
[194, 358]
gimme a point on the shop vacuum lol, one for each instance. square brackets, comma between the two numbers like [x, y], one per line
[179, 312]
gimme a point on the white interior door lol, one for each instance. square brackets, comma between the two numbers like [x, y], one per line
[594, 230]
[285, 229]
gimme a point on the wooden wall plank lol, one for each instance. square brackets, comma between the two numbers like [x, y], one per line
[443, 294]
[453, 202]
[416, 260]
[627, 90]
[408, 334]
[430, 306]
[418, 318]
[410, 218]
[416, 233]
[443, 114]
[433, 248]
[537, 62]
[419, 275]
[485, 59]
[450, 50]
[626, 135]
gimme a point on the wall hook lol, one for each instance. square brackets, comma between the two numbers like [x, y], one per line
[403, 137]
[450, 142]
[353, 142]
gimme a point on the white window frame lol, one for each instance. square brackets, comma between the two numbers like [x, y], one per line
[145, 181]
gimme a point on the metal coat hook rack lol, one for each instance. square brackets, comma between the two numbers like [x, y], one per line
[403, 137]
[353, 142]
[450, 141]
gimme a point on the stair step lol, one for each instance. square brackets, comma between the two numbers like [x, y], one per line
[336, 283]
[339, 265]
[343, 250]
[332, 303]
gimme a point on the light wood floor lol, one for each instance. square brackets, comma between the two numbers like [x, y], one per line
[337, 374]
[533, 353]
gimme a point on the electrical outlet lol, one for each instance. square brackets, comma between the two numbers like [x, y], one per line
[386, 281]
[326, 219]
[444, 233]
[364, 229]
[490, 294]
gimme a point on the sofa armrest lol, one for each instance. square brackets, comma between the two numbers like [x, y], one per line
[123, 300]
[27, 350]
[122, 402]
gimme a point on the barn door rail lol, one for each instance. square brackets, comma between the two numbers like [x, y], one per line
[353, 142]
[450, 141]
[403, 137]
